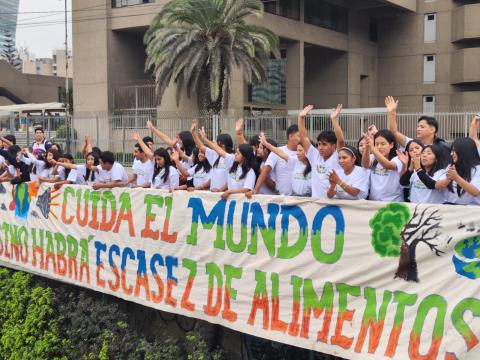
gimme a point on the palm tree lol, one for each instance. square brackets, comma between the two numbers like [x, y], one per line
[197, 43]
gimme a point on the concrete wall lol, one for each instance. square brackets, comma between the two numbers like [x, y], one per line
[28, 88]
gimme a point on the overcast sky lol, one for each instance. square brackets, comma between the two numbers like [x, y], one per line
[44, 30]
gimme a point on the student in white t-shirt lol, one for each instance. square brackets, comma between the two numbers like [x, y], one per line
[464, 173]
[111, 174]
[241, 175]
[428, 180]
[261, 153]
[324, 158]
[386, 168]
[351, 181]
[282, 170]
[302, 170]
[200, 172]
[49, 173]
[165, 175]
[219, 171]
[142, 169]
[83, 174]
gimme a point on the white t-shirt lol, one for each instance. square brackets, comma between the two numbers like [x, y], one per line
[39, 166]
[420, 194]
[81, 172]
[282, 170]
[301, 185]
[11, 170]
[61, 173]
[321, 171]
[200, 177]
[144, 172]
[117, 172]
[48, 174]
[385, 183]
[219, 173]
[72, 176]
[358, 179]
[264, 189]
[234, 181]
[466, 198]
[171, 182]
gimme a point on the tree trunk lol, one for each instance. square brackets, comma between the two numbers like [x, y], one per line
[403, 263]
[412, 268]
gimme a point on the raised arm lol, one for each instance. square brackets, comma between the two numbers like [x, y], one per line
[392, 106]
[198, 143]
[387, 164]
[336, 126]
[164, 137]
[304, 139]
[146, 150]
[366, 162]
[7, 142]
[239, 131]
[473, 131]
[175, 156]
[87, 146]
[212, 145]
[265, 143]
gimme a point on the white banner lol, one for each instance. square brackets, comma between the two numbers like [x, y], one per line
[358, 279]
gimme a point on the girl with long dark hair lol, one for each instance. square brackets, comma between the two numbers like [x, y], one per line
[464, 173]
[200, 172]
[428, 180]
[219, 171]
[165, 175]
[85, 174]
[241, 174]
[386, 167]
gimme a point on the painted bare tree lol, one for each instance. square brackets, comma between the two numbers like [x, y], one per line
[397, 234]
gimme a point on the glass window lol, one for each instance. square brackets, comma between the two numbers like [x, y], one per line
[122, 3]
[429, 68]
[326, 15]
[275, 91]
[285, 8]
[430, 28]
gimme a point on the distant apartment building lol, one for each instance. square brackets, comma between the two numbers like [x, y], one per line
[425, 52]
[8, 21]
[54, 66]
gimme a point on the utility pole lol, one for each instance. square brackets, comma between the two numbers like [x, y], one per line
[67, 98]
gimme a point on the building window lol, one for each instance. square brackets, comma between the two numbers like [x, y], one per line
[430, 28]
[373, 30]
[428, 104]
[326, 15]
[429, 68]
[286, 8]
[275, 91]
[123, 3]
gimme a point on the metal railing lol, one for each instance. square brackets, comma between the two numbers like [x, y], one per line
[115, 132]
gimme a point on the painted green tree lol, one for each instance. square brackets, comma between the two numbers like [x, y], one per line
[198, 44]
[397, 233]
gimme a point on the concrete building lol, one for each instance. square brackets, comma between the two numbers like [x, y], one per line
[38, 66]
[59, 65]
[425, 52]
[8, 20]
[18, 88]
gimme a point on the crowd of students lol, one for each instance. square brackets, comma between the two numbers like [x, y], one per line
[386, 165]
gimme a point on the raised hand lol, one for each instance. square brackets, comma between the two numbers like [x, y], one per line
[193, 128]
[239, 126]
[203, 133]
[403, 157]
[372, 130]
[305, 111]
[336, 111]
[334, 178]
[391, 104]
[149, 125]
[175, 156]
[452, 173]
[136, 137]
[416, 162]
[262, 139]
